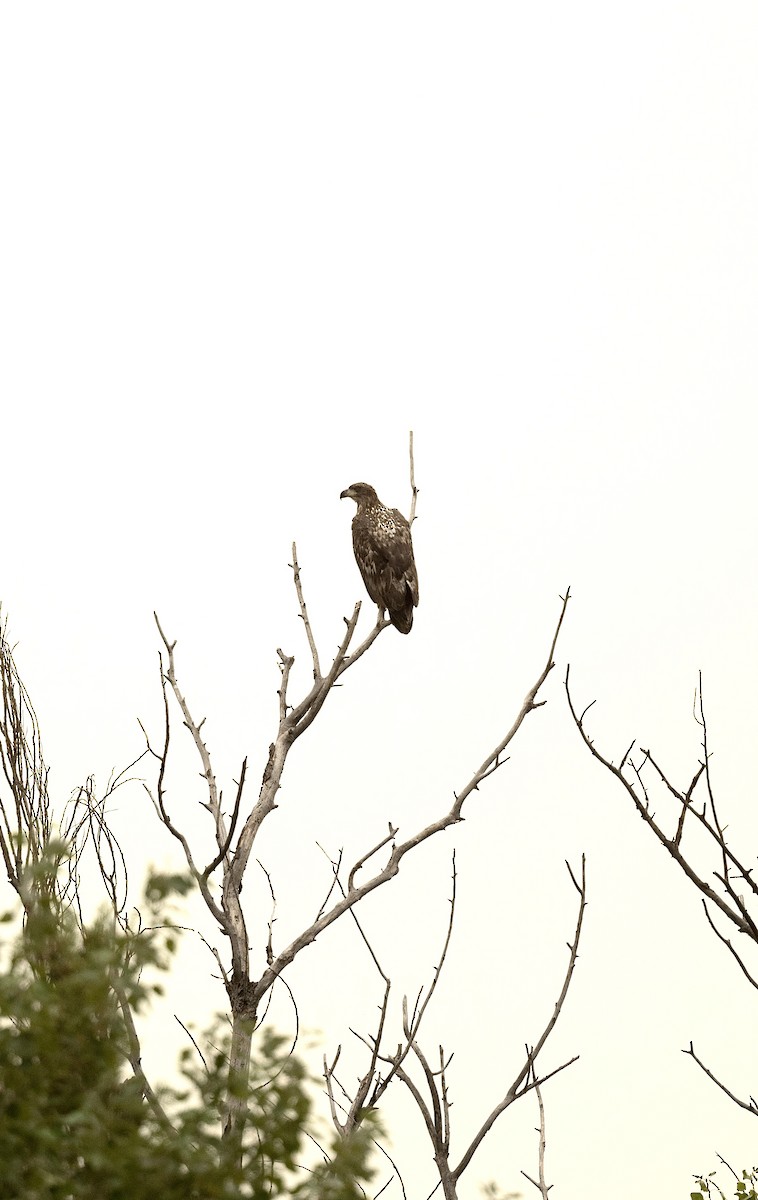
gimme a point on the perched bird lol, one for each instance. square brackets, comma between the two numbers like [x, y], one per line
[384, 553]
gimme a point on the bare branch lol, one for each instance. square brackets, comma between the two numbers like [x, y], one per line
[445, 1100]
[366, 644]
[730, 872]
[712, 828]
[194, 1042]
[686, 802]
[192, 725]
[85, 824]
[272, 918]
[749, 1105]
[542, 1187]
[400, 849]
[420, 1009]
[369, 854]
[291, 725]
[435, 1110]
[672, 844]
[235, 845]
[168, 677]
[308, 709]
[330, 1079]
[728, 1166]
[410, 1027]
[393, 1164]
[335, 878]
[414, 489]
[527, 1078]
[227, 840]
[729, 946]
[286, 663]
[304, 614]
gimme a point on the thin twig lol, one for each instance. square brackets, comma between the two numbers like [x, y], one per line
[227, 840]
[729, 946]
[192, 1038]
[542, 1187]
[400, 849]
[526, 1079]
[304, 614]
[749, 1105]
[642, 804]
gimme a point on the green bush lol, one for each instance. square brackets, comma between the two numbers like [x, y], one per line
[75, 1123]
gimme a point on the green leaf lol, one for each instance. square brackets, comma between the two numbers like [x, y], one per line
[72, 1125]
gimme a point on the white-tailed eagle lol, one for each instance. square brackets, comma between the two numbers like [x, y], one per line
[384, 553]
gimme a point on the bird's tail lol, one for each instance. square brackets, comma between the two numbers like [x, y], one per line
[402, 618]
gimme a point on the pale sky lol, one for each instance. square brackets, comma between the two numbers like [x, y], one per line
[244, 250]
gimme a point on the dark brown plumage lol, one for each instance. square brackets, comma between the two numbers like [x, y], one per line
[384, 553]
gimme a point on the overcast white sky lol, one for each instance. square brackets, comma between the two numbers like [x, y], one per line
[245, 249]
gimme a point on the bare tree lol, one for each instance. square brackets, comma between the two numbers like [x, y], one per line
[235, 834]
[25, 831]
[693, 831]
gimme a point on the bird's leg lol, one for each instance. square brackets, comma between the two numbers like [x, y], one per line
[379, 614]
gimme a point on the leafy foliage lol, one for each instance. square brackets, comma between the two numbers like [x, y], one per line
[745, 1187]
[77, 1123]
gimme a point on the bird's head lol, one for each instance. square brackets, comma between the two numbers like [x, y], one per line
[362, 493]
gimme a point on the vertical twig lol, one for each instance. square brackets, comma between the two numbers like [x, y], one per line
[542, 1187]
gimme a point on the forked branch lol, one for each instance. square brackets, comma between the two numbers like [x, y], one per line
[736, 879]
[433, 1100]
[358, 891]
[527, 1078]
[236, 833]
[374, 1083]
[733, 908]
